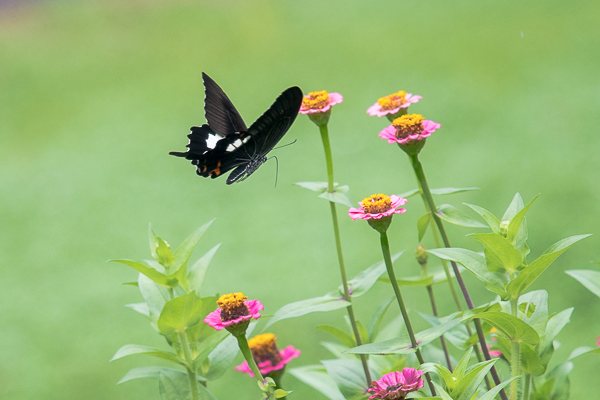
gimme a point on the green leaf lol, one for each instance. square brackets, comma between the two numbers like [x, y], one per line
[555, 324]
[377, 318]
[197, 271]
[588, 278]
[501, 248]
[362, 282]
[581, 351]
[343, 337]
[422, 224]
[474, 376]
[454, 216]
[531, 361]
[316, 377]
[135, 349]
[511, 326]
[140, 308]
[314, 186]
[533, 271]
[221, 358]
[402, 344]
[328, 302]
[173, 387]
[184, 251]
[515, 226]
[491, 394]
[336, 197]
[348, 376]
[150, 372]
[149, 271]
[154, 295]
[453, 190]
[182, 313]
[475, 263]
[160, 249]
[492, 221]
[514, 207]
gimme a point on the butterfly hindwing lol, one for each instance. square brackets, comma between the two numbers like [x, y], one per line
[220, 113]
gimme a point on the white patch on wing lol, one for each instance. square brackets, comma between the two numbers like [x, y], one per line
[212, 140]
[237, 143]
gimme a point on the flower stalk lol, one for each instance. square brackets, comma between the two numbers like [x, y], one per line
[422, 260]
[338, 245]
[385, 249]
[245, 349]
[189, 361]
[430, 205]
[515, 356]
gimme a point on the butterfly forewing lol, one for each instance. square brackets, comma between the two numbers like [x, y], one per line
[270, 127]
[219, 111]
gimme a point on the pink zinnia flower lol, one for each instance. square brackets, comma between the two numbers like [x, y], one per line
[319, 102]
[234, 309]
[396, 385]
[494, 353]
[267, 356]
[392, 103]
[409, 128]
[378, 206]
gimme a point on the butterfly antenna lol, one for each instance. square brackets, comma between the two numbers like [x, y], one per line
[276, 168]
[285, 145]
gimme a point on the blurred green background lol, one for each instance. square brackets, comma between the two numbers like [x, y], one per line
[94, 94]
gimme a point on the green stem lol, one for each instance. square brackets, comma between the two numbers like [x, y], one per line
[385, 249]
[435, 313]
[515, 356]
[338, 246]
[245, 349]
[527, 387]
[430, 204]
[189, 361]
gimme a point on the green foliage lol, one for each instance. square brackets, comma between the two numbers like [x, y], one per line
[337, 195]
[588, 278]
[172, 303]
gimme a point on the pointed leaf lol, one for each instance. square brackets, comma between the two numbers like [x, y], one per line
[514, 207]
[511, 326]
[491, 394]
[454, 216]
[588, 278]
[531, 272]
[146, 269]
[184, 251]
[328, 302]
[135, 349]
[348, 376]
[556, 323]
[453, 190]
[336, 197]
[502, 249]
[316, 377]
[313, 186]
[362, 282]
[150, 372]
[197, 271]
[492, 221]
[422, 224]
[516, 223]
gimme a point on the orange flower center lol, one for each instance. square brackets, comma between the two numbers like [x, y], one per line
[264, 348]
[392, 101]
[408, 124]
[315, 100]
[376, 203]
[233, 306]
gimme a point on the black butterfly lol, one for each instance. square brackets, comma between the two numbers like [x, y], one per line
[225, 143]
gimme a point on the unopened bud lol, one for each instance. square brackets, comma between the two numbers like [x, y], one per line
[421, 255]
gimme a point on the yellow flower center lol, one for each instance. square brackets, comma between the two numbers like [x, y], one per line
[232, 306]
[408, 124]
[376, 203]
[315, 100]
[392, 101]
[264, 348]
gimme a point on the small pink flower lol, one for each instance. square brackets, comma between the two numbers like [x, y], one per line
[493, 352]
[378, 206]
[267, 356]
[396, 385]
[392, 103]
[319, 102]
[234, 309]
[409, 128]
